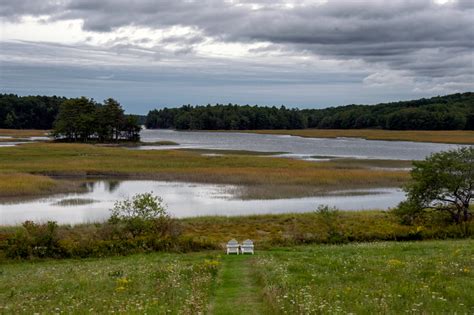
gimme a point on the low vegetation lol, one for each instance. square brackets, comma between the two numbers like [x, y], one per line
[23, 184]
[23, 133]
[261, 177]
[391, 278]
[123, 237]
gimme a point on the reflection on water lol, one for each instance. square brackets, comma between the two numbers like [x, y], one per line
[296, 147]
[182, 199]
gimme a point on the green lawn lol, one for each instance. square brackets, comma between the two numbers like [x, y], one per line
[386, 277]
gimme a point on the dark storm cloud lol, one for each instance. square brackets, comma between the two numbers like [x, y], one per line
[389, 32]
[417, 40]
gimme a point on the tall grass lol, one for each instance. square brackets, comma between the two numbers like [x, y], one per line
[13, 184]
[381, 278]
[140, 284]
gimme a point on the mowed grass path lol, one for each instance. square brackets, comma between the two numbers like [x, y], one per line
[367, 278]
[237, 290]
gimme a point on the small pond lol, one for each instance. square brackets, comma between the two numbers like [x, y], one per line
[182, 200]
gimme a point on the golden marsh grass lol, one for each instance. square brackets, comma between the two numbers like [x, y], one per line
[20, 183]
[22, 133]
[281, 176]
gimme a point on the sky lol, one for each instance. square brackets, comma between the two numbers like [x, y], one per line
[308, 54]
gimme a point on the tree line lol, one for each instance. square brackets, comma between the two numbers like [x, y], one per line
[450, 112]
[28, 112]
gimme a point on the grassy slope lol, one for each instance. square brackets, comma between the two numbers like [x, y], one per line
[439, 136]
[435, 276]
[278, 176]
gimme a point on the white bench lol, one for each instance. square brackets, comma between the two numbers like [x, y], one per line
[232, 247]
[247, 247]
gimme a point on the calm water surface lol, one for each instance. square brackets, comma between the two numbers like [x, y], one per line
[182, 199]
[296, 146]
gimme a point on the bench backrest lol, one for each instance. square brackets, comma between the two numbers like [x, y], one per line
[232, 243]
[248, 243]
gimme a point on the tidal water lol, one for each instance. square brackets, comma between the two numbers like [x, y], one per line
[296, 147]
[182, 200]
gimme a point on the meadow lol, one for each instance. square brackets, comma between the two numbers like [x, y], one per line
[384, 277]
[260, 176]
[436, 136]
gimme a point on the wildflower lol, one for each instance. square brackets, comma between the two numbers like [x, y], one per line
[395, 262]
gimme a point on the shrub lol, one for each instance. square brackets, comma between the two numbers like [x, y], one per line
[141, 215]
[39, 240]
[330, 217]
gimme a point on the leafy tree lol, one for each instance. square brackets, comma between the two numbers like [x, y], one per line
[443, 182]
[139, 214]
[110, 120]
[76, 119]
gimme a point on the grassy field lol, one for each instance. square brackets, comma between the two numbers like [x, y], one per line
[377, 278]
[438, 136]
[262, 177]
[389, 278]
[154, 284]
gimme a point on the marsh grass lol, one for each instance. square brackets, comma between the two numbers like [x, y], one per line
[438, 136]
[19, 183]
[23, 133]
[13, 185]
[266, 177]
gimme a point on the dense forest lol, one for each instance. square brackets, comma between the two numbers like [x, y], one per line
[449, 112]
[73, 119]
[28, 112]
[84, 120]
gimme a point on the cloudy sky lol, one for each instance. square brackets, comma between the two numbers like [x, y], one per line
[156, 53]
